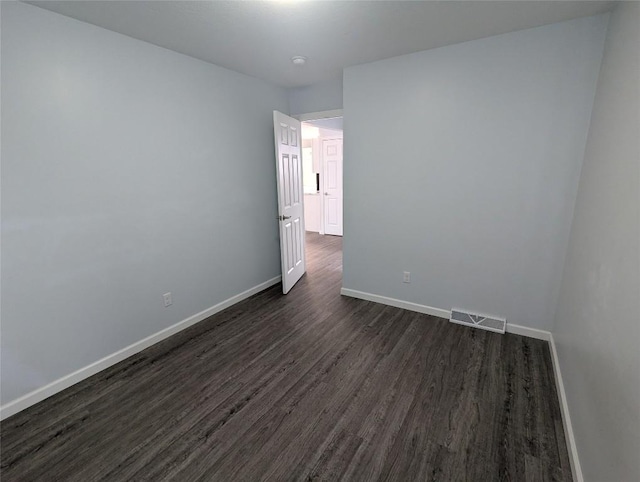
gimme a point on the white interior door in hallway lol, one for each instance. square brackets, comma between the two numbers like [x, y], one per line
[290, 198]
[332, 186]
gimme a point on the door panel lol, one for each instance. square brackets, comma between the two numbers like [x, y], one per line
[284, 135]
[298, 241]
[297, 179]
[332, 212]
[286, 164]
[293, 136]
[290, 199]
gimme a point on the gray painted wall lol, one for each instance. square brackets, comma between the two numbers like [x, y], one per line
[318, 97]
[598, 323]
[463, 166]
[127, 171]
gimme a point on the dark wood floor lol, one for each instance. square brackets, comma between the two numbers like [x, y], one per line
[306, 386]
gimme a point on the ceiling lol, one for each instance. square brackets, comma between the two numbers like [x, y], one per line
[259, 38]
[334, 123]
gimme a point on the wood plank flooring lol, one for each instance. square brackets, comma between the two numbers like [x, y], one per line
[308, 386]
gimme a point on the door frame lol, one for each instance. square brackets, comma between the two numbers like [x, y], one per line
[323, 114]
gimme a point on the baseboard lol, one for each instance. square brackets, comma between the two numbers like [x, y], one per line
[530, 332]
[574, 460]
[511, 328]
[60, 384]
[407, 305]
[439, 312]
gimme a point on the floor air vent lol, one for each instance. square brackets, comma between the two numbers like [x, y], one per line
[476, 320]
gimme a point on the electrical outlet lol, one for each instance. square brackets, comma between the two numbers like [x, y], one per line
[167, 299]
[406, 277]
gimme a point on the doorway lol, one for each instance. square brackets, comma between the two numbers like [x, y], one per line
[322, 162]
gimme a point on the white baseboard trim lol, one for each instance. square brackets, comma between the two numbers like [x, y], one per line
[530, 332]
[60, 384]
[511, 328]
[407, 305]
[574, 460]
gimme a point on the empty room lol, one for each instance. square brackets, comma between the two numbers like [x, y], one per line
[320, 240]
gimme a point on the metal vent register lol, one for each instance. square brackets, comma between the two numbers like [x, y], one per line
[477, 320]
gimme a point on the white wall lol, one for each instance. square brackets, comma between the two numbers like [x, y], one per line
[598, 318]
[312, 213]
[312, 221]
[462, 168]
[127, 171]
[318, 97]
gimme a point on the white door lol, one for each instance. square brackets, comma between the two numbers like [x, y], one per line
[290, 198]
[332, 161]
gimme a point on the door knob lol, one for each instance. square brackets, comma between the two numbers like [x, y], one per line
[283, 217]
